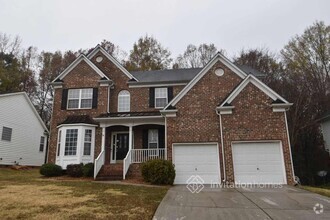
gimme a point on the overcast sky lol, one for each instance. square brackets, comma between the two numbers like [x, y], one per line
[232, 25]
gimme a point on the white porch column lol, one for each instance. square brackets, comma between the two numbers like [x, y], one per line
[130, 138]
[103, 139]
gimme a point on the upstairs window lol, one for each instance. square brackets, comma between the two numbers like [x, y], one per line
[80, 98]
[42, 144]
[6, 133]
[124, 101]
[161, 98]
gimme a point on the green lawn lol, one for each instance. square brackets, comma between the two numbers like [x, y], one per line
[26, 195]
[322, 190]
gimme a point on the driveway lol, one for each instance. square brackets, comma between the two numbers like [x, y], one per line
[242, 203]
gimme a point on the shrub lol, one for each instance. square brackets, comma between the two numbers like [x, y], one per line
[74, 170]
[88, 170]
[50, 169]
[158, 171]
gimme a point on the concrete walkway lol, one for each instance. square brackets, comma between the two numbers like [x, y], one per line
[242, 203]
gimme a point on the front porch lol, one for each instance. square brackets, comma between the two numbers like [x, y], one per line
[126, 141]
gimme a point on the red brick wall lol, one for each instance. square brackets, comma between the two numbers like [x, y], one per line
[81, 76]
[254, 119]
[139, 96]
[196, 119]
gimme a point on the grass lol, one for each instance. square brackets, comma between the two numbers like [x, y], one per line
[24, 194]
[322, 190]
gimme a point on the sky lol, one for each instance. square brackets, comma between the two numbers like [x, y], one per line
[231, 25]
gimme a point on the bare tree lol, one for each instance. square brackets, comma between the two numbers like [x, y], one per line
[195, 57]
[9, 45]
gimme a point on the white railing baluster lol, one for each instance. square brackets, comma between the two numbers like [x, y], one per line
[143, 155]
[127, 162]
[98, 163]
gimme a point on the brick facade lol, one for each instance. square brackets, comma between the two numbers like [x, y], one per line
[196, 121]
[252, 120]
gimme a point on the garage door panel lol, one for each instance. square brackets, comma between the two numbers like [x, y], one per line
[196, 159]
[258, 162]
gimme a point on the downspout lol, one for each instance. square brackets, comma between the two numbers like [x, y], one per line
[222, 147]
[287, 132]
[108, 106]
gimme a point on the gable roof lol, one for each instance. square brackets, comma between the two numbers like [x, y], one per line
[277, 99]
[165, 76]
[80, 58]
[179, 75]
[207, 67]
[98, 48]
[30, 104]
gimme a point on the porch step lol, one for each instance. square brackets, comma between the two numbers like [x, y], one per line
[111, 172]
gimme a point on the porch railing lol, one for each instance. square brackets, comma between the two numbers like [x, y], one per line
[126, 163]
[143, 155]
[99, 161]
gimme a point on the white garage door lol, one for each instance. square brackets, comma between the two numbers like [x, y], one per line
[258, 163]
[196, 159]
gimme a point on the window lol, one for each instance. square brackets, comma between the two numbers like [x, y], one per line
[160, 97]
[124, 101]
[42, 144]
[6, 133]
[80, 98]
[153, 141]
[88, 142]
[59, 142]
[71, 142]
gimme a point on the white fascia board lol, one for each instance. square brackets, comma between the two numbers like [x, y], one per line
[260, 85]
[208, 66]
[127, 118]
[169, 113]
[82, 57]
[112, 59]
[77, 124]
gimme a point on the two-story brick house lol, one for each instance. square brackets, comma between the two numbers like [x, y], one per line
[218, 122]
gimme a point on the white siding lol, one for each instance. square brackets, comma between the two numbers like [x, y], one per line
[16, 113]
[326, 134]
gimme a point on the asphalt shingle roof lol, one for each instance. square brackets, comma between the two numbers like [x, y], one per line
[179, 75]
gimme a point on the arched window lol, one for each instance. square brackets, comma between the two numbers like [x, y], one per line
[124, 101]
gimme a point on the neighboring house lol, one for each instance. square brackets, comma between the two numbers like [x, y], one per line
[325, 127]
[23, 137]
[219, 122]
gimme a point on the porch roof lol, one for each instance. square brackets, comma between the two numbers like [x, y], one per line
[130, 118]
[129, 114]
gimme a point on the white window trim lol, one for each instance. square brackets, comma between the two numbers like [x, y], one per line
[120, 94]
[79, 99]
[71, 155]
[43, 144]
[84, 142]
[11, 133]
[153, 143]
[161, 107]
[64, 160]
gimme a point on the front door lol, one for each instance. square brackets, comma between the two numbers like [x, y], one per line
[120, 146]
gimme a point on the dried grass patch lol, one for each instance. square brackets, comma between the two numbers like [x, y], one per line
[115, 192]
[28, 200]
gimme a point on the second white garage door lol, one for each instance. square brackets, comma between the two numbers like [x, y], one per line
[196, 159]
[258, 162]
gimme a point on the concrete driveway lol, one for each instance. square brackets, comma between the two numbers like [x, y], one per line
[242, 203]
